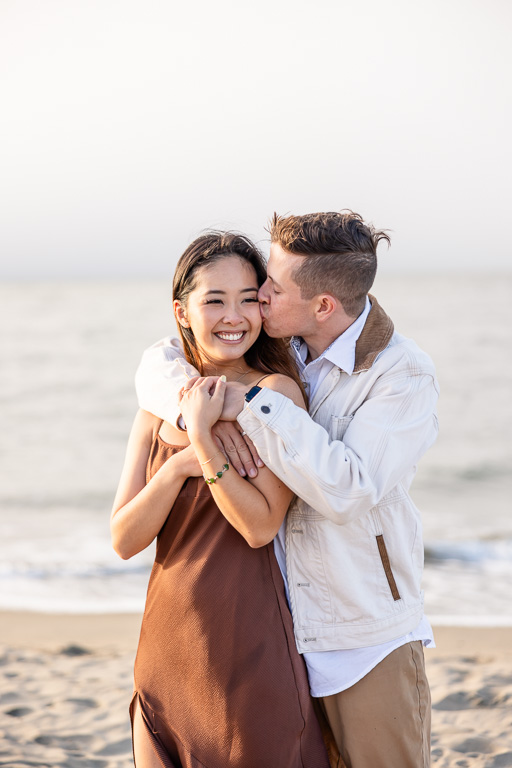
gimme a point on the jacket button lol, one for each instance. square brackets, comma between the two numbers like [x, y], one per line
[265, 409]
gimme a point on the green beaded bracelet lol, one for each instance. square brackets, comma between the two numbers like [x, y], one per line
[211, 480]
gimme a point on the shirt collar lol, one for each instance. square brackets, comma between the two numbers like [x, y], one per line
[342, 351]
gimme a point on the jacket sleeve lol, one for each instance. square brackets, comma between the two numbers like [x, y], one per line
[344, 478]
[161, 374]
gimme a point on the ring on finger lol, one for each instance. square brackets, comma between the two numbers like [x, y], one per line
[242, 434]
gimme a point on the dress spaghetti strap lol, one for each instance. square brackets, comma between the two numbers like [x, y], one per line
[256, 383]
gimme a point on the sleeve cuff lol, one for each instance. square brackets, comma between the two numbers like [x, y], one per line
[262, 411]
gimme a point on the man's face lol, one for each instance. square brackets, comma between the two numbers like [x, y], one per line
[284, 311]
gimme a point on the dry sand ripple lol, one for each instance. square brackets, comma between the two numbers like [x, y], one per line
[66, 683]
[472, 700]
[61, 709]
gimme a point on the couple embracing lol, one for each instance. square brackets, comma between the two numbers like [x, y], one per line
[284, 623]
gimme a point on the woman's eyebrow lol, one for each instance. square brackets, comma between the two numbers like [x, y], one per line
[244, 290]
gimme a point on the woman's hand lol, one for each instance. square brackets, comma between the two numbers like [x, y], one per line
[188, 462]
[201, 405]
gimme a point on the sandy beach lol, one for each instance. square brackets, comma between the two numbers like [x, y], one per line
[66, 683]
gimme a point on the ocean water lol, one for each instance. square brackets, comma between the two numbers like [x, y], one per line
[68, 354]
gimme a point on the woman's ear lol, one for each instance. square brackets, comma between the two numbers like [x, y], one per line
[179, 314]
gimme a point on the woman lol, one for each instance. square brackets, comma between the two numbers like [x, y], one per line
[218, 680]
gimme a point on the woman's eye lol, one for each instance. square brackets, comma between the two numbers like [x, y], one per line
[254, 301]
[213, 301]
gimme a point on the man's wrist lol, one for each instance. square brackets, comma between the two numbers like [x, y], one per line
[252, 393]
[234, 401]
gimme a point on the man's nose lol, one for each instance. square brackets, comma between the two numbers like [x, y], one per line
[263, 293]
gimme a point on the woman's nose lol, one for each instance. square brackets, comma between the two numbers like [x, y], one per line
[232, 316]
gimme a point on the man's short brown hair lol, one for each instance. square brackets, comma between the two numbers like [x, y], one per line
[340, 253]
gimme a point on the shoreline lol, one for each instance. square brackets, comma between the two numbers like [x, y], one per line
[49, 631]
[120, 632]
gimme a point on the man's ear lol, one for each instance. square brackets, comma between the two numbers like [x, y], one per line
[325, 306]
[179, 314]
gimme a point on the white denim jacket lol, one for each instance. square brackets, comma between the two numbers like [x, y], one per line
[354, 547]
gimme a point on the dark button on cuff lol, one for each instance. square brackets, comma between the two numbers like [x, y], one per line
[265, 409]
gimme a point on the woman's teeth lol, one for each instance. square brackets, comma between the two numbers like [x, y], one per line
[230, 336]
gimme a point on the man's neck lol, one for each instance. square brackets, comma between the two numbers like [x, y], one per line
[319, 341]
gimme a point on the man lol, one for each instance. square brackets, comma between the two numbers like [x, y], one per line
[352, 540]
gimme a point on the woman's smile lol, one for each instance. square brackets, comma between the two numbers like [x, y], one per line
[230, 336]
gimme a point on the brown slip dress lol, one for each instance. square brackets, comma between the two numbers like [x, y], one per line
[218, 678]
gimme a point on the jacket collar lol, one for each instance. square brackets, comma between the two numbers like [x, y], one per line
[375, 337]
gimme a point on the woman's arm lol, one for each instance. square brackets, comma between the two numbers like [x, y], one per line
[255, 507]
[140, 510]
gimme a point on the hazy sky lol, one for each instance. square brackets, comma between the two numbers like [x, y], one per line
[127, 126]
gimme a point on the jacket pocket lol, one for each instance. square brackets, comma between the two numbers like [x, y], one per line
[383, 552]
[339, 425]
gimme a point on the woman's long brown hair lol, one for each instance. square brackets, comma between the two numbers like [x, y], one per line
[267, 355]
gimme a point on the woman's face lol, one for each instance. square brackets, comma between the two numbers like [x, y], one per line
[223, 310]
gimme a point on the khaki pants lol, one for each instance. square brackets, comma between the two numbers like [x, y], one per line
[383, 721]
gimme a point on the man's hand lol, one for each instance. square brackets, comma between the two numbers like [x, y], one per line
[233, 400]
[238, 447]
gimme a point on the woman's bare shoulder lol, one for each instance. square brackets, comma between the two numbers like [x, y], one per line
[146, 425]
[285, 385]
